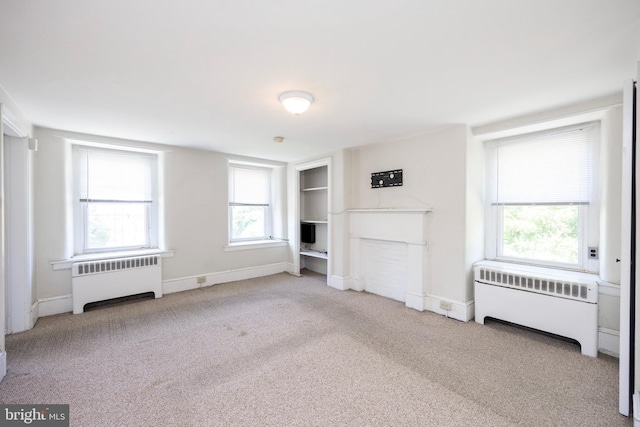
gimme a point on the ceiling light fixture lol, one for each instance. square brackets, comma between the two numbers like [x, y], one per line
[296, 102]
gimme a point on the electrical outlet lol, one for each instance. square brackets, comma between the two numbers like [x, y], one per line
[445, 305]
[202, 279]
[593, 253]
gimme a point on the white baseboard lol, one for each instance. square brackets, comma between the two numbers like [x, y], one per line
[188, 283]
[463, 311]
[35, 314]
[3, 364]
[64, 303]
[415, 301]
[337, 282]
[609, 342]
[354, 283]
[55, 305]
[291, 269]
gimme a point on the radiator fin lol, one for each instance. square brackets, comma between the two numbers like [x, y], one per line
[109, 265]
[549, 286]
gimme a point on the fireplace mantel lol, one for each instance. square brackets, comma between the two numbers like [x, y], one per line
[389, 253]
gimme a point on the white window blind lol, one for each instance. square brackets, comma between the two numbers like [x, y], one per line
[115, 207]
[113, 177]
[249, 203]
[547, 168]
[248, 186]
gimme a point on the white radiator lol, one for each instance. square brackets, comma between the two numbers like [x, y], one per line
[101, 280]
[561, 303]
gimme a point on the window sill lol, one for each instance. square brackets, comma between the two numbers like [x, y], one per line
[255, 244]
[66, 264]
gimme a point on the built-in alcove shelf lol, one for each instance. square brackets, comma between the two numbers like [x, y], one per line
[314, 254]
[314, 196]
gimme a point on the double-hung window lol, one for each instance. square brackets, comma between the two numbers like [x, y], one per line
[541, 188]
[115, 200]
[249, 203]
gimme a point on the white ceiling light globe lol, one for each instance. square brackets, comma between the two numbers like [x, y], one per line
[296, 102]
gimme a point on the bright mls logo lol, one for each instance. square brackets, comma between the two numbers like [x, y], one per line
[34, 415]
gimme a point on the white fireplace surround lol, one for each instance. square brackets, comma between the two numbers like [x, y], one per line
[389, 253]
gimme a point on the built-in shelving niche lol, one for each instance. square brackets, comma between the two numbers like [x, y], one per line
[314, 212]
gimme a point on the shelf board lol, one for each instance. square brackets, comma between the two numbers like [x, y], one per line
[314, 254]
[314, 221]
[314, 189]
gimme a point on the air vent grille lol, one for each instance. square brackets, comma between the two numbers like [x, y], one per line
[106, 266]
[534, 283]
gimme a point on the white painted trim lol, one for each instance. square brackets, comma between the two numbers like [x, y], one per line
[13, 118]
[112, 144]
[191, 282]
[35, 314]
[624, 364]
[609, 341]
[295, 208]
[606, 288]
[19, 267]
[636, 410]
[3, 364]
[64, 304]
[570, 114]
[463, 311]
[260, 244]
[354, 284]
[391, 210]
[291, 269]
[338, 282]
[415, 300]
[55, 305]
[381, 239]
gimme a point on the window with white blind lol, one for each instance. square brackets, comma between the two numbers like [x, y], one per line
[115, 200]
[540, 189]
[249, 203]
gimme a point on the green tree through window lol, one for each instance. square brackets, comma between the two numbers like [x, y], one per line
[549, 233]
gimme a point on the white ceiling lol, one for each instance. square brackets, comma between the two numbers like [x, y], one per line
[208, 73]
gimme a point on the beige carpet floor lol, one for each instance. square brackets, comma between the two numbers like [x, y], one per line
[289, 351]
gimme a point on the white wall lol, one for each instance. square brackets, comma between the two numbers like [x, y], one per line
[443, 171]
[611, 198]
[475, 207]
[195, 212]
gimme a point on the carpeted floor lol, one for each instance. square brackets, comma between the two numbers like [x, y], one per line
[283, 350]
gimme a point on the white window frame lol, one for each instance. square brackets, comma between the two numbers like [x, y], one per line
[588, 234]
[80, 208]
[268, 220]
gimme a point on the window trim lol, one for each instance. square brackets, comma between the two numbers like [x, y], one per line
[80, 211]
[251, 242]
[588, 230]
